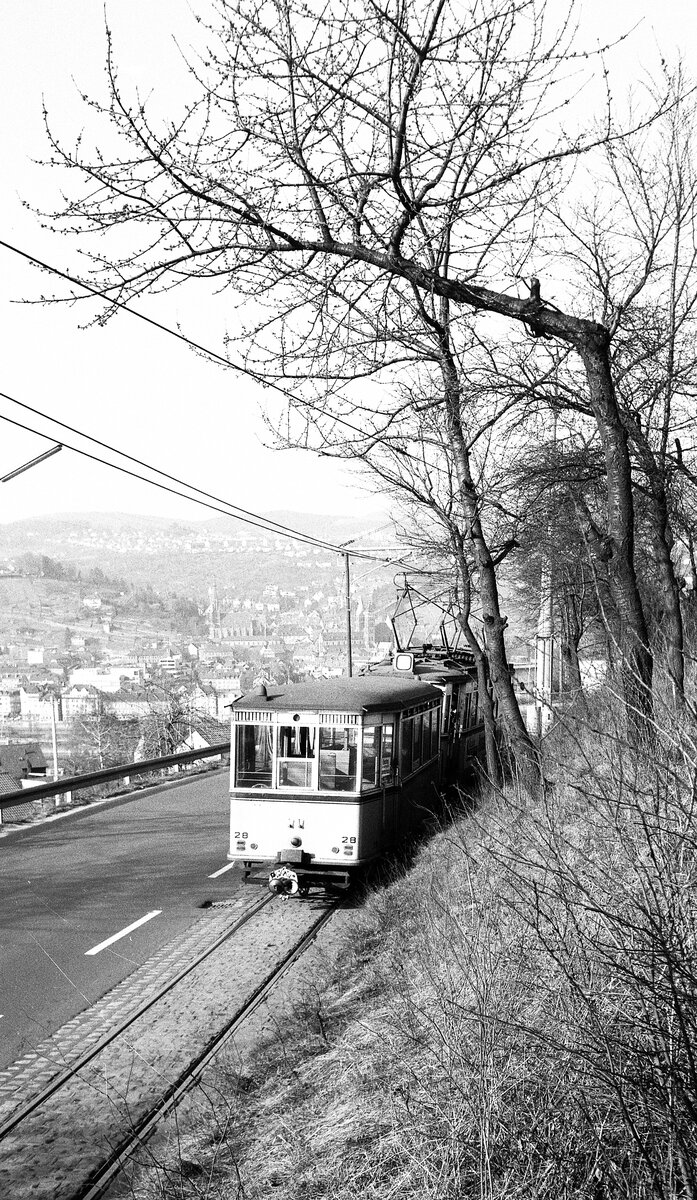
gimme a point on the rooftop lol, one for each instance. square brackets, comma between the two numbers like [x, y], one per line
[363, 693]
[20, 759]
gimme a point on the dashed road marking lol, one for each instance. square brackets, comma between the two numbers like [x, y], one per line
[116, 937]
[222, 871]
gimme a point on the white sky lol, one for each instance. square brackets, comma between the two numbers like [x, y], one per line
[130, 385]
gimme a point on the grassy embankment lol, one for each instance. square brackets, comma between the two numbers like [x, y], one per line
[512, 1016]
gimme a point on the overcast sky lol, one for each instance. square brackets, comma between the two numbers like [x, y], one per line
[127, 384]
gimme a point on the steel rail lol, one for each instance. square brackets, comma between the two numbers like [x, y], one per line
[20, 1114]
[104, 1176]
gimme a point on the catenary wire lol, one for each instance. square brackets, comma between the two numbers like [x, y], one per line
[213, 354]
[254, 518]
[260, 379]
[173, 491]
[189, 342]
[211, 502]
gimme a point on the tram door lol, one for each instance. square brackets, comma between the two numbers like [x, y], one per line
[448, 727]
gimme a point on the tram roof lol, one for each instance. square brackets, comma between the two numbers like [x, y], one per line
[362, 693]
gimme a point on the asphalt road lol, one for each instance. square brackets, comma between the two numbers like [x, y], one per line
[69, 885]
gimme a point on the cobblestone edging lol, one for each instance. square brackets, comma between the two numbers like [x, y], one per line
[28, 1075]
[56, 1149]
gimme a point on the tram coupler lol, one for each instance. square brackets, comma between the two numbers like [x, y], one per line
[284, 882]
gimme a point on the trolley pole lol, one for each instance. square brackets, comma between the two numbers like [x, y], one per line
[34, 462]
[347, 577]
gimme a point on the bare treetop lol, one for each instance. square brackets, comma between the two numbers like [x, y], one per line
[421, 139]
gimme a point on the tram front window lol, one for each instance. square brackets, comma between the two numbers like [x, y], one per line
[296, 752]
[253, 759]
[338, 759]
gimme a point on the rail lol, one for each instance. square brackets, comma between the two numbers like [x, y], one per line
[74, 783]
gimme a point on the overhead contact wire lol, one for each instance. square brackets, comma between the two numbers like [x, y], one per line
[32, 258]
[216, 504]
[251, 517]
[100, 295]
[183, 495]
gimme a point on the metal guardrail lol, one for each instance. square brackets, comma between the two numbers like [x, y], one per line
[73, 783]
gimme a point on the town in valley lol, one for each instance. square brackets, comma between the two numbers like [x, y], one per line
[125, 638]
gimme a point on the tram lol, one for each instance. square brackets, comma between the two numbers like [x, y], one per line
[327, 775]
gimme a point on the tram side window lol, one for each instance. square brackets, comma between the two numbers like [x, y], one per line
[406, 747]
[338, 759]
[435, 731]
[371, 757]
[296, 751]
[387, 752]
[426, 748]
[253, 761]
[418, 741]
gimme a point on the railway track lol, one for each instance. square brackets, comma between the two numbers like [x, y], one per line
[69, 1139]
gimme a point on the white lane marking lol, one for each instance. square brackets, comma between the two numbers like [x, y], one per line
[115, 937]
[222, 871]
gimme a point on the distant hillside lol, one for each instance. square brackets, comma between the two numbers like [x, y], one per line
[188, 557]
[328, 527]
[331, 528]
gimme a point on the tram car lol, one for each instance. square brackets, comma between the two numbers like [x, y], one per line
[328, 775]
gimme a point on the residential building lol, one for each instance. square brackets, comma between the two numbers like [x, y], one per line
[10, 703]
[24, 763]
[35, 702]
[105, 680]
[81, 700]
[204, 732]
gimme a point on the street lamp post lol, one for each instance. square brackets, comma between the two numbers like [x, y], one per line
[48, 693]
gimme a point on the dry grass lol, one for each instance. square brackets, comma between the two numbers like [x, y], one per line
[512, 1017]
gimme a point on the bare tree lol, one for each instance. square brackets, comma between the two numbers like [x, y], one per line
[637, 243]
[100, 740]
[354, 156]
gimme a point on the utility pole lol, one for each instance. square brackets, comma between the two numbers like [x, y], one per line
[54, 741]
[34, 462]
[347, 588]
[544, 655]
[47, 693]
[544, 642]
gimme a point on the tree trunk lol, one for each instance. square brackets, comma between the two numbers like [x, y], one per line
[486, 704]
[591, 341]
[671, 625]
[572, 631]
[617, 550]
[571, 664]
[517, 736]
